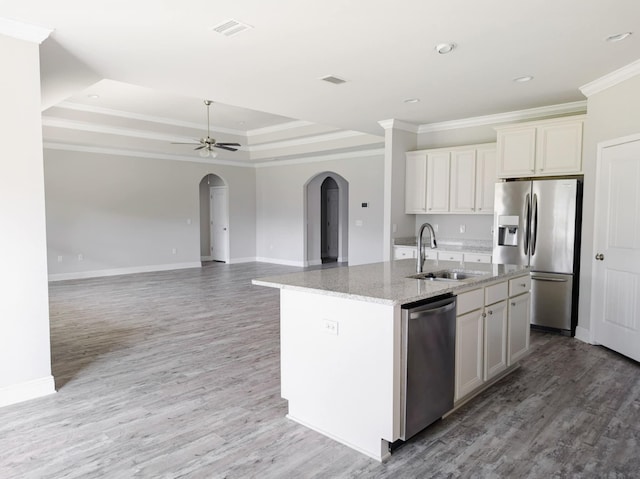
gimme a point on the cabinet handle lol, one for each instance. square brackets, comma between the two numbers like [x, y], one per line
[490, 312]
[524, 285]
[513, 304]
[478, 259]
[484, 315]
[479, 209]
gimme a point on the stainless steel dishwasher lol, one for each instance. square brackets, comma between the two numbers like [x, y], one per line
[428, 362]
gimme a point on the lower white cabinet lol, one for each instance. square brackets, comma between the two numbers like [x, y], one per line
[404, 252]
[492, 333]
[519, 327]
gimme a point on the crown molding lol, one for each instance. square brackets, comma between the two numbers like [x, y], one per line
[308, 140]
[319, 158]
[513, 116]
[611, 79]
[141, 154]
[290, 125]
[24, 31]
[110, 130]
[149, 118]
[394, 124]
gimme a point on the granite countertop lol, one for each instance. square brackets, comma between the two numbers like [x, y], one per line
[468, 246]
[387, 282]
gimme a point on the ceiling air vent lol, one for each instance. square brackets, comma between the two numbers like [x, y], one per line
[333, 79]
[231, 27]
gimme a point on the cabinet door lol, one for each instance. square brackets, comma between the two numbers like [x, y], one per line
[463, 181]
[469, 352]
[486, 177]
[559, 148]
[495, 339]
[415, 200]
[518, 327]
[516, 152]
[438, 182]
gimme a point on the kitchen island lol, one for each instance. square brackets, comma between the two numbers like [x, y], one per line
[341, 347]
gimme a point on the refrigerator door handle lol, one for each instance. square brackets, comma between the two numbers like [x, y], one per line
[534, 224]
[527, 205]
[550, 280]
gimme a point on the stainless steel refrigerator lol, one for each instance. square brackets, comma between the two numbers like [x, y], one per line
[537, 223]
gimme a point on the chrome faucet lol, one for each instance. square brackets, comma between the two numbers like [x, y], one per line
[432, 244]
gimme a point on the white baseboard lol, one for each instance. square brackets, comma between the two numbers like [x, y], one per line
[584, 335]
[117, 271]
[313, 262]
[27, 390]
[206, 258]
[242, 260]
[284, 262]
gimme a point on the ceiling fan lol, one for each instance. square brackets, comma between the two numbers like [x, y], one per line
[207, 144]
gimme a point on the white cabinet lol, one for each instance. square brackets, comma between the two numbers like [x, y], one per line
[492, 333]
[519, 318]
[450, 256]
[486, 177]
[404, 252]
[463, 181]
[438, 182]
[451, 180]
[416, 183]
[476, 258]
[541, 148]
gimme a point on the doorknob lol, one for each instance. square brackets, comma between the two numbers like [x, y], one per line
[600, 257]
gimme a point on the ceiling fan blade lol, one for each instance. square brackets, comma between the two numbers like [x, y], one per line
[200, 147]
[218, 145]
[229, 144]
[191, 143]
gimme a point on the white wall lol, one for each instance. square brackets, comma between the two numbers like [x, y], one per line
[281, 206]
[612, 113]
[126, 214]
[25, 364]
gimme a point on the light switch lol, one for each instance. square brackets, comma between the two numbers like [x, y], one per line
[359, 223]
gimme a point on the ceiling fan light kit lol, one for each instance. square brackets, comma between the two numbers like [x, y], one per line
[205, 146]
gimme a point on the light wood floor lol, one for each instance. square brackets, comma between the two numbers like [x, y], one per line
[176, 375]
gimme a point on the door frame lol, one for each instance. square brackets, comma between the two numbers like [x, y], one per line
[311, 211]
[593, 321]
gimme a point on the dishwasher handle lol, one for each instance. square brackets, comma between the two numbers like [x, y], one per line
[432, 311]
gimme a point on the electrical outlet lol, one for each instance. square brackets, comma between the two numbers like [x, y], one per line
[59, 259]
[80, 257]
[463, 228]
[174, 250]
[330, 327]
[435, 227]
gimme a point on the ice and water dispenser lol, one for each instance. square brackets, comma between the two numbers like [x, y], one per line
[508, 230]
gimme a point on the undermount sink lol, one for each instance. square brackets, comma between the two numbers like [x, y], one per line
[446, 275]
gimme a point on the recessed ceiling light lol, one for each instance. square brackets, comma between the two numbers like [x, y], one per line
[94, 96]
[618, 37]
[524, 79]
[412, 100]
[444, 48]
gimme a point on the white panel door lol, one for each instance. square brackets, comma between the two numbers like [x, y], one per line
[416, 183]
[219, 223]
[616, 286]
[469, 353]
[495, 339]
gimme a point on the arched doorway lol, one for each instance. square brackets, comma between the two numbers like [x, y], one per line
[327, 219]
[214, 219]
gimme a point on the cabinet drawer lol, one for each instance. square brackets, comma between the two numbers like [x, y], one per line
[519, 285]
[430, 254]
[469, 301]
[496, 292]
[404, 252]
[477, 258]
[447, 256]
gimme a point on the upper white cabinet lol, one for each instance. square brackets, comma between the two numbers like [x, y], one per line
[451, 180]
[541, 148]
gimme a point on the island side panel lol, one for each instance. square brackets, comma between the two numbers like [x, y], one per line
[340, 366]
